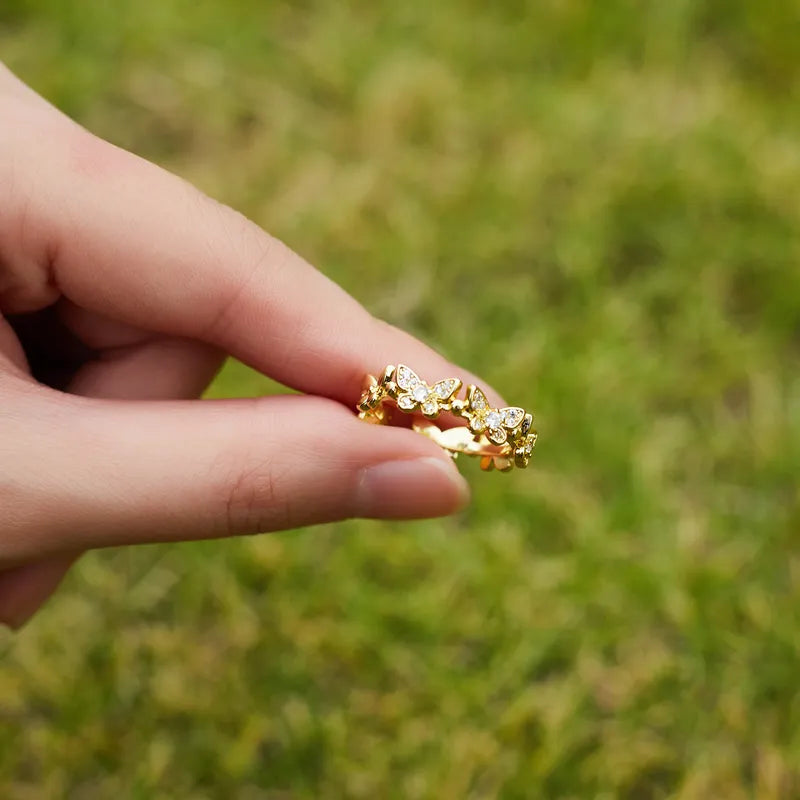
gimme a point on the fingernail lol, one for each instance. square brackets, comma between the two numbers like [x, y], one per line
[411, 489]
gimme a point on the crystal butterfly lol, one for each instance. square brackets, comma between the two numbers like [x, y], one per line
[525, 449]
[495, 423]
[415, 394]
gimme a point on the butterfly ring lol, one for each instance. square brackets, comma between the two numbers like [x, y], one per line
[501, 437]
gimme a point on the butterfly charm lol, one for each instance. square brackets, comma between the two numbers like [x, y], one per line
[524, 449]
[413, 393]
[494, 423]
[369, 406]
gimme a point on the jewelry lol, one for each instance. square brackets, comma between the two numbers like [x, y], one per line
[502, 438]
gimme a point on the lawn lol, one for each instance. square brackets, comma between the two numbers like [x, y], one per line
[595, 206]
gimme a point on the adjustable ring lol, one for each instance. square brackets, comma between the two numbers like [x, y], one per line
[503, 438]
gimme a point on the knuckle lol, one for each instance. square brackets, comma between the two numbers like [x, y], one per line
[253, 494]
[250, 253]
[251, 501]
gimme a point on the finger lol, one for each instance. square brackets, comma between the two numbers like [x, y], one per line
[12, 356]
[161, 368]
[24, 589]
[128, 240]
[119, 473]
[151, 370]
[178, 262]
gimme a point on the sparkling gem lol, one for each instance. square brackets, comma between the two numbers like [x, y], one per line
[479, 400]
[406, 402]
[494, 419]
[514, 417]
[478, 424]
[430, 407]
[445, 388]
[420, 392]
[529, 443]
[406, 379]
[497, 435]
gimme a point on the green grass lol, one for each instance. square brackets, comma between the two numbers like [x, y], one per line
[595, 205]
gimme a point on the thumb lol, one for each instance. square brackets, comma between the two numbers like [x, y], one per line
[127, 472]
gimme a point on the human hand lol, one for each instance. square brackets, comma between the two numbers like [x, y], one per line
[132, 286]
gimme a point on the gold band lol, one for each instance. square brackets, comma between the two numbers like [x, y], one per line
[503, 438]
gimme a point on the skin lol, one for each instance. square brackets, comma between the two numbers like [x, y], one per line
[122, 289]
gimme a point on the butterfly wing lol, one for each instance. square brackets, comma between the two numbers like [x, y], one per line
[406, 378]
[496, 435]
[512, 416]
[444, 390]
[477, 400]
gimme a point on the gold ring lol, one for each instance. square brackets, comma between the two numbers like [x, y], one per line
[503, 438]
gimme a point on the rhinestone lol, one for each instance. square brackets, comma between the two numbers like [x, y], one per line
[406, 379]
[479, 400]
[494, 419]
[529, 443]
[444, 389]
[406, 402]
[514, 417]
[420, 392]
[430, 407]
[478, 424]
[497, 435]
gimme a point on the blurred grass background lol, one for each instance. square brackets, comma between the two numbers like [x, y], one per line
[594, 205]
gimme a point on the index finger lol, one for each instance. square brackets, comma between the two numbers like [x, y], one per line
[134, 242]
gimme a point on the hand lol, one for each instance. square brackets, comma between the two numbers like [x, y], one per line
[132, 286]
